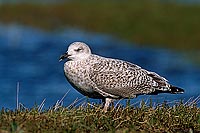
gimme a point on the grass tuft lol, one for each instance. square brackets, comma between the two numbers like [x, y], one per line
[90, 118]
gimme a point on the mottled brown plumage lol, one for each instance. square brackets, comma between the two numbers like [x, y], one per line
[106, 78]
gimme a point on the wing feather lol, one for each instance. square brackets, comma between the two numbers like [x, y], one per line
[120, 78]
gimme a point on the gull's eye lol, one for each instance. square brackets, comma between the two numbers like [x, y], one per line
[77, 50]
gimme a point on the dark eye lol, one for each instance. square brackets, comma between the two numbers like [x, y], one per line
[77, 50]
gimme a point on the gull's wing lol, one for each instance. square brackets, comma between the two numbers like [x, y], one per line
[117, 78]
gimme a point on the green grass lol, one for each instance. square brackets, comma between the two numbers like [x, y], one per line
[146, 22]
[163, 118]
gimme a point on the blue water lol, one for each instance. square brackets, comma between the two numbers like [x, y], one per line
[30, 56]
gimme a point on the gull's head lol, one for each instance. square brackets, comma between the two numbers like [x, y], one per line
[77, 51]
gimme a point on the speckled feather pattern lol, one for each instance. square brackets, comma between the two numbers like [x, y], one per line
[106, 78]
[99, 76]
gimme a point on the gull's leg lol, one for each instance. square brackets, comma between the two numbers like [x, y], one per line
[107, 103]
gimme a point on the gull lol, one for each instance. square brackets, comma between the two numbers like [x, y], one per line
[108, 79]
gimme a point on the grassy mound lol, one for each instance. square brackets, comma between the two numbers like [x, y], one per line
[163, 118]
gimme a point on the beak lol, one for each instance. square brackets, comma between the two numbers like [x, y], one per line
[64, 56]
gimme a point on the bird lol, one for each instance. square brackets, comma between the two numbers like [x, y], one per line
[108, 79]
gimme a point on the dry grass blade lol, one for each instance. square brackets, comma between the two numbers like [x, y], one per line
[41, 105]
[17, 96]
[59, 102]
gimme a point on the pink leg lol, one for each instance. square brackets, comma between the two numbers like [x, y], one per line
[107, 103]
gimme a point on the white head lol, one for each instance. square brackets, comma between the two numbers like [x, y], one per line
[77, 51]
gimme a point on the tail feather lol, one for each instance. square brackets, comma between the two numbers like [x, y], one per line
[176, 90]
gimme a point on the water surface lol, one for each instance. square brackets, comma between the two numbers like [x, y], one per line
[30, 56]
